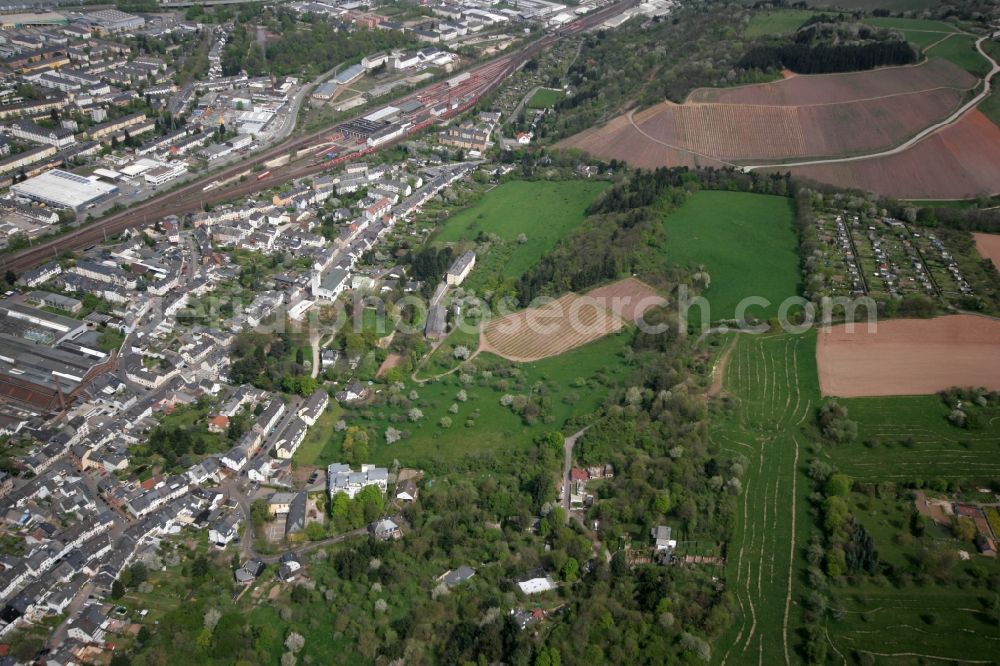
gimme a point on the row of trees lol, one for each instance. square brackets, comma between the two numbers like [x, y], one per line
[824, 59]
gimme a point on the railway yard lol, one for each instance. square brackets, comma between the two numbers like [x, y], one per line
[313, 152]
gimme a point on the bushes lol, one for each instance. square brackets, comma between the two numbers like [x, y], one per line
[835, 425]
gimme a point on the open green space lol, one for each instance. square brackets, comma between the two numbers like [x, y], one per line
[906, 24]
[935, 608]
[443, 358]
[545, 98]
[563, 387]
[961, 50]
[991, 107]
[868, 5]
[774, 387]
[777, 22]
[544, 211]
[747, 245]
[907, 439]
[318, 435]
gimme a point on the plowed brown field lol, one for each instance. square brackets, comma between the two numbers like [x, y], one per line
[628, 298]
[989, 247]
[549, 330]
[800, 117]
[958, 162]
[568, 322]
[740, 131]
[618, 140]
[834, 88]
[909, 356]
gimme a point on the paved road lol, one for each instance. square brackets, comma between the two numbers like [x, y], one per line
[920, 136]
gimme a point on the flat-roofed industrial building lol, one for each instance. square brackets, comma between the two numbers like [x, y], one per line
[65, 190]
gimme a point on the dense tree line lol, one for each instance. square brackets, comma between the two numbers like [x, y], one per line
[430, 263]
[262, 359]
[824, 59]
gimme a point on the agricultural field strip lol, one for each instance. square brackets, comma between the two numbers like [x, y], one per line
[875, 98]
[735, 131]
[665, 144]
[763, 377]
[597, 317]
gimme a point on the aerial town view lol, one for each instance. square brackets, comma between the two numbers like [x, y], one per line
[524, 332]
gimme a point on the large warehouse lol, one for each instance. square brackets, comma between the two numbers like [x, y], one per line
[64, 190]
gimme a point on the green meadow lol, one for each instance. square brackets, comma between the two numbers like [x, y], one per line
[543, 211]
[747, 244]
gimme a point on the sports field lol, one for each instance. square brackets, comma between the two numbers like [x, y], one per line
[747, 244]
[544, 211]
[773, 380]
[545, 98]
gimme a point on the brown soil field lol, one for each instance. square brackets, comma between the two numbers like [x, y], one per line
[989, 247]
[797, 117]
[628, 299]
[618, 139]
[742, 131]
[549, 330]
[958, 162]
[909, 356]
[852, 86]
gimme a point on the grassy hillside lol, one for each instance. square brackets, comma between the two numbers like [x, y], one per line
[572, 384]
[775, 388]
[777, 22]
[544, 211]
[961, 50]
[746, 243]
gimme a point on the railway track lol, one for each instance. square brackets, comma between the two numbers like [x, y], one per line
[192, 197]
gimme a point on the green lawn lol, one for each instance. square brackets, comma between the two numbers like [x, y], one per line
[904, 439]
[572, 385]
[747, 244]
[777, 22]
[961, 50]
[545, 98]
[318, 435]
[906, 24]
[443, 358]
[991, 107]
[942, 614]
[544, 211]
[773, 382]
